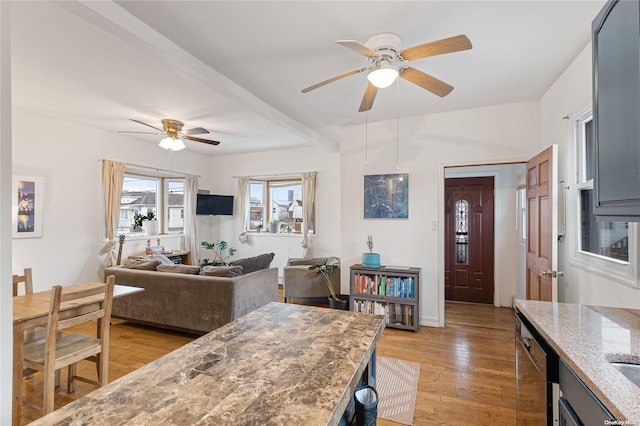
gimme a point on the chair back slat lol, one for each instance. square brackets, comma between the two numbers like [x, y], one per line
[80, 319]
[79, 294]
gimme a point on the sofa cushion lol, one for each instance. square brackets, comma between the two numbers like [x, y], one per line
[179, 269]
[251, 264]
[306, 261]
[149, 265]
[222, 271]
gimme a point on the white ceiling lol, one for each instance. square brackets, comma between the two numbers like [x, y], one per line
[237, 67]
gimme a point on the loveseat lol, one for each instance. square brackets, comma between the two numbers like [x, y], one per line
[192, 303]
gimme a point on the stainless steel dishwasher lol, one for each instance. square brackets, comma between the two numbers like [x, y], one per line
[536, 377]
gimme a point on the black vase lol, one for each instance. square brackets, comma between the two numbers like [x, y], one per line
[339, 304]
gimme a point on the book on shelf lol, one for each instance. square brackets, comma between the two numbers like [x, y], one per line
[383, 285]
[394, 313]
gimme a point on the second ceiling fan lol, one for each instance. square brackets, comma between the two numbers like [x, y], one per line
[172, 130]
[388, 62]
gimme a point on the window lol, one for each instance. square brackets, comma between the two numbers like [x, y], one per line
[140, 196]
[606, 239]
[276, 200]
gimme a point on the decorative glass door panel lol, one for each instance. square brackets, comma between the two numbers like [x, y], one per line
[462, 232]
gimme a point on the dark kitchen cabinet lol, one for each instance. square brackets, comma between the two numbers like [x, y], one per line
[616, 109]
[578, 405]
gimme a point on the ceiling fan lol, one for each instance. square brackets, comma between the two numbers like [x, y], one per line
[172, 130]
[388, 62]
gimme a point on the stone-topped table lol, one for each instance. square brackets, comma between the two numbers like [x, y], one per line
[586, 337]
[280, 364]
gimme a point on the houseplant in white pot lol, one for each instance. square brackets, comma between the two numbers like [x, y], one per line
[146, 222]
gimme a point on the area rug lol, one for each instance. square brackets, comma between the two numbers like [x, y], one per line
[396, 384]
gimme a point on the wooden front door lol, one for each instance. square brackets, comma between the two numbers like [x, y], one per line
[468, 275]
[542, 225]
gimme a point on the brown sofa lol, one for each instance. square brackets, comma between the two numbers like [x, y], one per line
[192, 303]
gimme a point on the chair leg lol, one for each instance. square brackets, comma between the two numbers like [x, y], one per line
[71, 379]
[103, 369]
[48, 390]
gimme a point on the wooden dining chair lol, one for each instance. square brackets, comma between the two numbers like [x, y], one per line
[56, 352]
[26, 278]
[38, 333]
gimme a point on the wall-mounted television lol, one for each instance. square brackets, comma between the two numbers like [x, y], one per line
[214, 204]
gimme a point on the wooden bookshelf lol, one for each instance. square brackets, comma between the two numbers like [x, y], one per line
[392, 291]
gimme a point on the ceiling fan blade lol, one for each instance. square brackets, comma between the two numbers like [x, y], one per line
[195, 131]
[433, 48]
[208, 141]
[148, 125]
[359, 47]
[426, 81]
[144, 133]
[368, 98]
[332, 79]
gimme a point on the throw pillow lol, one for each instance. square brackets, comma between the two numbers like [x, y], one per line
[222, 271]
[252, 264]
[179, 269]
[147, 265]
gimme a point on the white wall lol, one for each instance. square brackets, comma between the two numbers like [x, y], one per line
[328, 239]
[67, 155]
[568, 97]
[6, 295]
[488, 135]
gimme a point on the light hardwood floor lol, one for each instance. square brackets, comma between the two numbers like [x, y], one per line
[467, 374]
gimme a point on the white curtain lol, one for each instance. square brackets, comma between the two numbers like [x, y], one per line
[308, 200]
[190, 228]
[241, 206]
[112, 178]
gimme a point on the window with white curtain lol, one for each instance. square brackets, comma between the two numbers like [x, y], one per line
[276, 200]
[143, 192]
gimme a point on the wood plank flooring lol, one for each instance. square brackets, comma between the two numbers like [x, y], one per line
[467, 374]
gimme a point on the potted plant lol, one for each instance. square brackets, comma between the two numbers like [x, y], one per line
[274, 224]
[326, 270]
[371, 259]
[221, 252]
[139, 222]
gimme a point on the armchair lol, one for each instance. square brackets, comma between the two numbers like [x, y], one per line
[301, 282]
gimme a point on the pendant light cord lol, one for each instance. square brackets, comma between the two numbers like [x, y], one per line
[398, 125]
[366, 138]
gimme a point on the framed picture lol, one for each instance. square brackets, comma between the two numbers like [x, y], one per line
[28, 203]
[386, 196]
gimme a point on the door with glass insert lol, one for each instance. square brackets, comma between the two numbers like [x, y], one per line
[469, 239]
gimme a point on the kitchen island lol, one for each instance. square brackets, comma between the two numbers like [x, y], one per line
[280, 364]
[587, 338]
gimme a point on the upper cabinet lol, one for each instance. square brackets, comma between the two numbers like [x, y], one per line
[616, 108]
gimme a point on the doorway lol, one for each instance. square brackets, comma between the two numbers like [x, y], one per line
[469, 239]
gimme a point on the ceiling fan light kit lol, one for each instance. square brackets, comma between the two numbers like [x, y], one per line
[383, 76]
[173, 144]
[388, 62]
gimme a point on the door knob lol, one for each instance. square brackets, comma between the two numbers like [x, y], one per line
[550, 273]
[546, 273]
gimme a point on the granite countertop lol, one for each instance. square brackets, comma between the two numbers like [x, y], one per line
[585, 337]
[280, 364]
